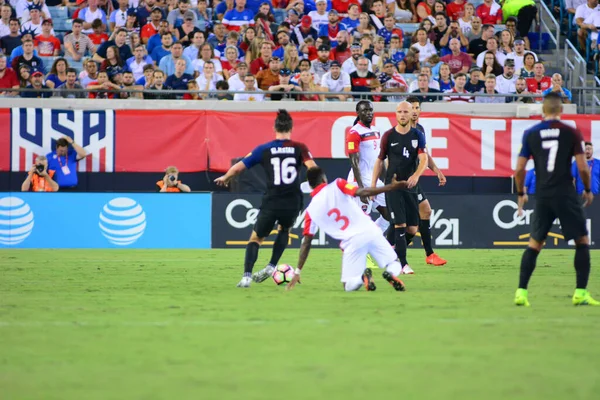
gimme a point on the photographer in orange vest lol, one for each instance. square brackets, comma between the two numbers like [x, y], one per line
[170, 182]
[39, 178]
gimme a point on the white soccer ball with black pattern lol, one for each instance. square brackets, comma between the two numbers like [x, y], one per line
[283, 274]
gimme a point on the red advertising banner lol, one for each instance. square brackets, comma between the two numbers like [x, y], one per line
[150, 140]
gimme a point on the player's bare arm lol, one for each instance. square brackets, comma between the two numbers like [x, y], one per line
[432, 166]
[233, 171]
[584, 173]
[377, 168]
[414, 178]
[374, 191]
[304, 251]
[310, 164]
[520, 172]
[354, 163]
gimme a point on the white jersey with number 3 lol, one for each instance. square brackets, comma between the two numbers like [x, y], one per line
[334, 210]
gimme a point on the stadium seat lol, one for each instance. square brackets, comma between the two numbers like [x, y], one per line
[59, 12]
[408, 27]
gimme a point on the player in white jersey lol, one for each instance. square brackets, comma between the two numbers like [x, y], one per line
[334, 210]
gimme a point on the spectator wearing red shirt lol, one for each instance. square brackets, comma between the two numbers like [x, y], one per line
[341, 6]
[99, 36]
[151, 28]
[262, 62]
[342, 51]
[457, 61]
[8, 77]
[47, 45]
[456, 94]
[539, 82]
[490, 12]
[456, 9]
[102, 83]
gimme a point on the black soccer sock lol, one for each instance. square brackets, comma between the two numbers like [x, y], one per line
[425, 230]
[401, 245]
[409, 238]
[390, 235]
[527, 266]
[279, 246]
[251, 256]
[582, 265]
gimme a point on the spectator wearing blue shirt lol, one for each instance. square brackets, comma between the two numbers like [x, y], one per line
[177, 16]
[64, 160]
[352, 20]
[143, 13]
[332, 28]
[179, 80]
[159, 52]
[18, 51]
[283, 38]
[594, 165]
[218, 39]
[224, 6]
[167, 63]
[154, 41]
[148, 75]
[389, 29]
[557, 83]
[240, 16]
[530, 181]
[120, 37]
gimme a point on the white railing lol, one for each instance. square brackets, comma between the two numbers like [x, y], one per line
[596, 97]
[549, 25]
[575, 72]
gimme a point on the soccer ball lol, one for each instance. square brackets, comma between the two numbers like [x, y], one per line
[283, 274]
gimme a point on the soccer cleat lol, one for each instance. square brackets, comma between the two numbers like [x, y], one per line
[394, 281]
[583, 298]
[435, 260]
[367, 278]
[371, 262]
[263, 274]
[245, 282]
[521, 298]
[407, 270]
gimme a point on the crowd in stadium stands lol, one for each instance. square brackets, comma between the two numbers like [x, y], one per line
[310, 50]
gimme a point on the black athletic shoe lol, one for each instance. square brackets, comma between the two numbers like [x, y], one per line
[367, 278]
[394, 281]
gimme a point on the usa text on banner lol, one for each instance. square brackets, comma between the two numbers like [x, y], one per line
[35, 129]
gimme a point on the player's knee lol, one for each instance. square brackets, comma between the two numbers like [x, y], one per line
[582, 241]
[254, 238]
[535, 245]
[412, 230]
[283, 229]
[425, 210]
[400, 226]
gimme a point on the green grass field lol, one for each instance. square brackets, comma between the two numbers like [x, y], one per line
[92, 324]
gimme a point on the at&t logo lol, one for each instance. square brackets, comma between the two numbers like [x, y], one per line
[16, 221]
[122, 221]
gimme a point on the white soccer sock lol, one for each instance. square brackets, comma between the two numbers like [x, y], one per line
[394, 268]
[353, 284]
[382, 223]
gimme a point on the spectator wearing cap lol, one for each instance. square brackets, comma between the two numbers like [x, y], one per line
[392, 82]
[458, 91]
[270, 76]
[179, 79]
[336, 81]
[303, 31]
[262, 62]
[37, 79]
[238, 18]
[332, 28]
[46, 43]
[76, 44]
[557, 87]
[120, 39]
[70, 89]
[118, 17]
[139, 60]
[349, 66]
[158, 84]
[283, 39]
[389, 29]
[490, 88]
[285, 89]
[151, 28]
[319, 16]
[91, 13]
[363, 80]
[351, 21]
[505, 83]
[430, 94]
[144, 14]
[8, 78]
[475, 83]
[458, 61]
[13, 40]
[34, 24]
[185, 32]
[176, 17]
[490, 12]
[167, 63]
[492, 45]
[322, 64]
[249, 86]
[519, 53]
[22, 8]
[28, 58]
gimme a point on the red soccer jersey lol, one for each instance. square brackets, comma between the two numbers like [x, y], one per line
[455, 11]
[148, 31]
[9, 80]
[533, 86]
[46, 45]
[490, 15]
[341, 6]
[456, 63]
[98, 39]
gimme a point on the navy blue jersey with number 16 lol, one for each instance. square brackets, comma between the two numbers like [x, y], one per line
[282, 160]
[552, 145]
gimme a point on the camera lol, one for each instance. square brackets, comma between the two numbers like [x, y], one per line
[39, 168]
[172, 178]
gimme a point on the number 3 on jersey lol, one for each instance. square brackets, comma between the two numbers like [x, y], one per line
[339, 217]
[284, 170]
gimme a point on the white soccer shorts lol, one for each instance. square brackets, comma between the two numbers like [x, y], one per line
[377, 202]
[354, 258]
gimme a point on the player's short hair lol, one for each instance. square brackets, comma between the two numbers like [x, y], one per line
[62, 142]
[283, 121]
[413, 99]
[314, 176]
[172, 170]
[552, 103]
[589, 144]
[362, 102]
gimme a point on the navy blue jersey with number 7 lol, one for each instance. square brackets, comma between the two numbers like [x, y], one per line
[282, 160]
[552, 146]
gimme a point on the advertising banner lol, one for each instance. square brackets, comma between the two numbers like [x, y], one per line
[476, 221]
[150, 140]
[123, 220]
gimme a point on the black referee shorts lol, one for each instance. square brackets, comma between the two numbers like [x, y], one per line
[267, 218]
[567, 209]
[404, 207]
